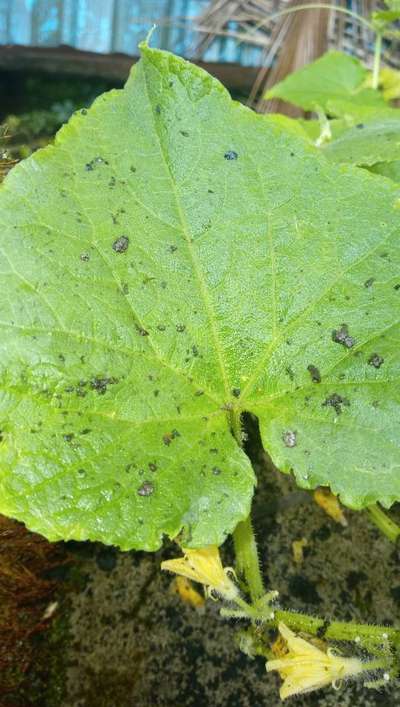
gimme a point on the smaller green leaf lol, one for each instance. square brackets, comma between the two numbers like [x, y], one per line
[333, 77]
[393, 5]
[386, 15]
[353, 113]
[391, 170]
[367, 144]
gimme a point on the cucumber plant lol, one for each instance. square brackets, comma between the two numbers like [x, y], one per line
[172, 262]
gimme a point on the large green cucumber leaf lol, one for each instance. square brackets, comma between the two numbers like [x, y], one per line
[173, 261]
[332, 78]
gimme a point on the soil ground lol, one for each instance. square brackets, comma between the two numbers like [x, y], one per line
[123, 638]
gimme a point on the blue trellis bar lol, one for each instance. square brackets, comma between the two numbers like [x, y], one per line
[114, 26]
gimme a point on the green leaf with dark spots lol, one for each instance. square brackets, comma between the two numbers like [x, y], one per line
[173, 261]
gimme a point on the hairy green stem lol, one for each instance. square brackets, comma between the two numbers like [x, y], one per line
[376, 639]
[245, 609]
[379, 664]
[379, 640]
[235, 423]
[385, 524]
[247, 558]
[377, 60]
[246, 553]
[363, 634]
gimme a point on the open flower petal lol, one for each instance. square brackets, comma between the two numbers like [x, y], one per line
[204, 566]
[306, 668]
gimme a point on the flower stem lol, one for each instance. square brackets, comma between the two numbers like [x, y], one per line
[384, 523]
[247, 558]
[246, 609]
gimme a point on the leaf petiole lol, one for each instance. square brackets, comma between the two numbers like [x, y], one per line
[382, 521]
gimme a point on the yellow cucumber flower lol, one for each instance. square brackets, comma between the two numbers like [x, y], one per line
[204, 566]
[305, 667]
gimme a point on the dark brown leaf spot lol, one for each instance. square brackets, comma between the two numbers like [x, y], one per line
[141, 331]
[314, 373]
[121, 244]
[342, 336]
[336, 401]
[289, 438]
[375, 360]
[146, 489]
[100, 385]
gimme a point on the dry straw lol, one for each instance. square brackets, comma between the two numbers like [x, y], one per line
[289, 39]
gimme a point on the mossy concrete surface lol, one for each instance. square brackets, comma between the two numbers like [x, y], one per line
[132, 642]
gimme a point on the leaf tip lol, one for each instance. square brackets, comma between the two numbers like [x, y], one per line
[145, 43]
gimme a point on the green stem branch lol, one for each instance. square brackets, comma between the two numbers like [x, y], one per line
[385, 524]
[363, 634]
[235, 423]
[378, 640]
[377, 60]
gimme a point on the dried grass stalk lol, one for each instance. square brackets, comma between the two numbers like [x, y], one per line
[289, 41]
